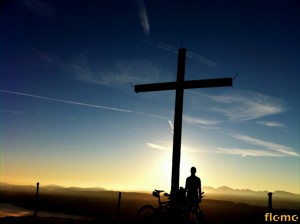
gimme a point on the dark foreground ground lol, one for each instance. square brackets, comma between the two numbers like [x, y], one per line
[101, 207]
[215, 212]
[56, 220]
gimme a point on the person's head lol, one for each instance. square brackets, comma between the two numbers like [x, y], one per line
[193, 170]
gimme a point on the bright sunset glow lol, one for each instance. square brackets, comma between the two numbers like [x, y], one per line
[69, 114]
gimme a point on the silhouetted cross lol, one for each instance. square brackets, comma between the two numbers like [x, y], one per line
[179, 86]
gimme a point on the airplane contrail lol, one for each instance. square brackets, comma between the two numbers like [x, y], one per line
[189, 54]
[81, 104]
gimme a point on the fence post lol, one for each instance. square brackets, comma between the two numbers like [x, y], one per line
[119, 205]
[36, 198]
[270, 201]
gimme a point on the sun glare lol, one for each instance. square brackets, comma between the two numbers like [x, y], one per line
[163, 169]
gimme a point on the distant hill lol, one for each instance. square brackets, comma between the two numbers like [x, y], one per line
[12, 187]
[55, 188]
[285, 194]
[86, 189]
[50, 187]
[281, 199]
[206, 189]
[248, 192]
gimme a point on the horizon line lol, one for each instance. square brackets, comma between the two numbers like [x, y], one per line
[141, 191]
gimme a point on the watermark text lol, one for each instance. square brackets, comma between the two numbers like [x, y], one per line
[270, 217]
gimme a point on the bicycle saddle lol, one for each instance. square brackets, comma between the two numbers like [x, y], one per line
[158, 191]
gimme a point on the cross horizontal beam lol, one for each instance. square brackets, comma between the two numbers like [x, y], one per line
[191, 84]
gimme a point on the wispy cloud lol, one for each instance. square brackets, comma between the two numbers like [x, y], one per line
[278, 149]
[167, 146]
[143, 16]
[272, 124]
[249, 152]
[171, 126]
[157, 146]
[40, 7]
[11, 111]
[249, 106]
[81, 104]
[194, 120]
[269, 149]
[189, 54]
[244, 105]
[135, 71]
[116, 73]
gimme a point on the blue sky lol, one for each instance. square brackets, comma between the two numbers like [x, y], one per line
[69, 115]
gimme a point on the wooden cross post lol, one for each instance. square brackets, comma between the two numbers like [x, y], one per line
[179, 86]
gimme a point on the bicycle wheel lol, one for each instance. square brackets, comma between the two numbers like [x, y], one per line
[145, 215]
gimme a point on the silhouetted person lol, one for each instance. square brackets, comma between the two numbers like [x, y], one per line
[193, 192]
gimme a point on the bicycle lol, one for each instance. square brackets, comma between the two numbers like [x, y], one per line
[148, 214]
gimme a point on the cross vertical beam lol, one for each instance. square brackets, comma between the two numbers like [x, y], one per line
[178, 122]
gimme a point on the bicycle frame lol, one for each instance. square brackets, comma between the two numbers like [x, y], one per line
[161, 214]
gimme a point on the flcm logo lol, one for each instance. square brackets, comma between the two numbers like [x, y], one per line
[270, 217]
